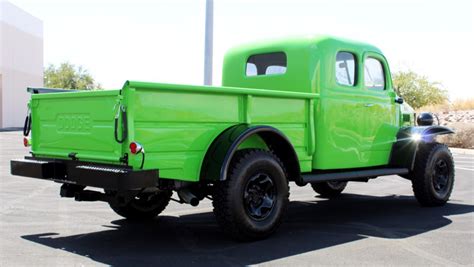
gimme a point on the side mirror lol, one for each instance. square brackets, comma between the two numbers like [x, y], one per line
[399, 100]
[425, 119]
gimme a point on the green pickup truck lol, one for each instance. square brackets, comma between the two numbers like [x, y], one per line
[313, 110]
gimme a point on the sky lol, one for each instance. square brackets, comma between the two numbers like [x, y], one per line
[163, 41]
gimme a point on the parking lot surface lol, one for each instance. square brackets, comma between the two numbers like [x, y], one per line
[374, 223]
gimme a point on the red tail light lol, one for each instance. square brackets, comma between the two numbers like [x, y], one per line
[26, 142]
[135, 148]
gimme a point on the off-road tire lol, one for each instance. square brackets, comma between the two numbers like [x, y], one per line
[329, 189]
[254, 177]
[144, 206]
[427, 177]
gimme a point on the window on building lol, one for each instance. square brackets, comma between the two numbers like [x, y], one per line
[373, 74]
[345, 68]
[266, 64]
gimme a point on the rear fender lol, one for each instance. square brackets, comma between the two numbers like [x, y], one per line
[404, 150]
[219, 155]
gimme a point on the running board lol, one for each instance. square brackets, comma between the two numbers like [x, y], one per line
[351, 175]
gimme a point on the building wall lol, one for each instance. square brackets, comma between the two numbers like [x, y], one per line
[21, 62]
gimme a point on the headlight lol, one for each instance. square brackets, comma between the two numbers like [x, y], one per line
[416, 137]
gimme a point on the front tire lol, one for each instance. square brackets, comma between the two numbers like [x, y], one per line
[433, 175]
[144, 206]
[329, 189]
[250, 204]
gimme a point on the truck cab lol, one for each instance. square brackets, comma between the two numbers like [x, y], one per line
[358, 113]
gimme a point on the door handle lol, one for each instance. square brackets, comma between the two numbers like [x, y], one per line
[368, 105]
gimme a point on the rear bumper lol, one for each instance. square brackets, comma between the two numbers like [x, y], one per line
[112, 177]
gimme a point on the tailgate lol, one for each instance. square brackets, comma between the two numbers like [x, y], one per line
[77, 122]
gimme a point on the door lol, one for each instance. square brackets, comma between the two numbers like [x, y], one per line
[341, 135]
[380, 110]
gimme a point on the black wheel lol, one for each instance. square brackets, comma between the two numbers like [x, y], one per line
[144, 206]
[329, 189]
[433, 174]
[250, 204]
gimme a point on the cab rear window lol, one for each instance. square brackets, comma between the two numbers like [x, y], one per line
[266, 64]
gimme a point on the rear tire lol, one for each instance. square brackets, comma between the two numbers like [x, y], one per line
[433, 175]
[329, 189]
[144, 206]
[250, 204]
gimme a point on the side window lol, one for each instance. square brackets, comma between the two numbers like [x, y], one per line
[374, 74]
[345, 68]
[265, 64]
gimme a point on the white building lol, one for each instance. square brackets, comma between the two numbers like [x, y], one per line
[21, 62]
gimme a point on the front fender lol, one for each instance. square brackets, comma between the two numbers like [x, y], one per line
[404, 149]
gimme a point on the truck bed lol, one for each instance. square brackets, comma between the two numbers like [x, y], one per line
[176, 124]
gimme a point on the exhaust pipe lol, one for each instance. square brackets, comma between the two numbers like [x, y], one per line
[187, 197]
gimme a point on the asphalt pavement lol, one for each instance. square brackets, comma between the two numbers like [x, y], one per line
[375, 223]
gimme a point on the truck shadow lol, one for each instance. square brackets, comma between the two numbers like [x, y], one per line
[309, 226]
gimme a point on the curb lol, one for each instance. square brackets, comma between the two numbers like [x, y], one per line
[463, 151]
